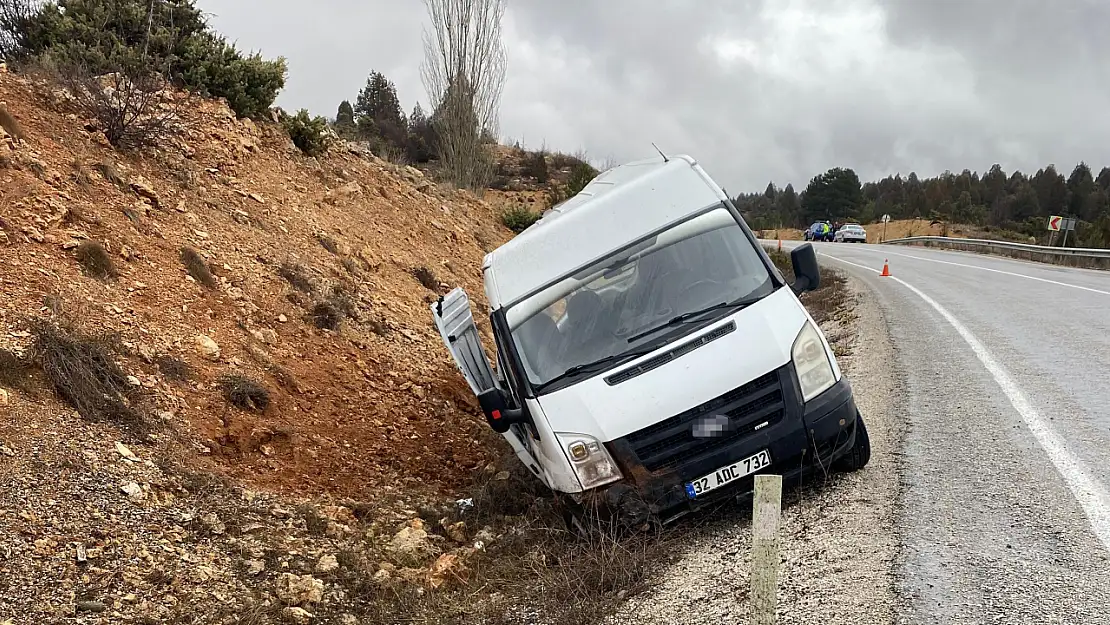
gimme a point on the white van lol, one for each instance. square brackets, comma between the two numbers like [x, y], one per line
[650, 353]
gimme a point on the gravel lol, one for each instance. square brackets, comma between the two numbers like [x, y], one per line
[839, 541]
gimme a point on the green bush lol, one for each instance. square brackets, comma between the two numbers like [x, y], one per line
[535, 166]
[518, 218]
[169, 38]
[310, 134]
[580, 176]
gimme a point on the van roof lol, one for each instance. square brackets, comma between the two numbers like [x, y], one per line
[614, 209]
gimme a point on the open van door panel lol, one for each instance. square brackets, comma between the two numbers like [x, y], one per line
[455, 322]
[456, 326]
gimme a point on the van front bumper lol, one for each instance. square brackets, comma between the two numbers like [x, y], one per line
[803, 440]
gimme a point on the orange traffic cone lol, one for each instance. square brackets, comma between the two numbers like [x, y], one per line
[886, 269]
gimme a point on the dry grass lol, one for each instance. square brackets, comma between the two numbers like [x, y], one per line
[328, 243]
[110, 174]
[426, 277]
[84, 373]
[96, 261]
[829, 300]
[244, 393]
[174, 368]
[326, 315]
[197, 267]
[297, 276]
[535, 565]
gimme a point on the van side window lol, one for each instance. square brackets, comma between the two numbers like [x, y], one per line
[507, 373]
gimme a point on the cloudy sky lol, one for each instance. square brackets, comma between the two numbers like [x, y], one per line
[757, 90]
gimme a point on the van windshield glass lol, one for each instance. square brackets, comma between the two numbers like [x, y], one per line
[627, 304]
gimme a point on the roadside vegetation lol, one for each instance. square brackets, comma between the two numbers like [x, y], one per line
[992, 204]
[830, 304]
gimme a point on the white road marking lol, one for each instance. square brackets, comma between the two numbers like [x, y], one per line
[1088, 491]
[1008, 273]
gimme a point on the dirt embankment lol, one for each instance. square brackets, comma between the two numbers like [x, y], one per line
[320, 273]
[375, 400]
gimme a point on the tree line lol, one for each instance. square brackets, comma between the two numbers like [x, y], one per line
[117, 56]
[1014, 206]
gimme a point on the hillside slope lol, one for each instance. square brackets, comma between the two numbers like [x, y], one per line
[375, 402]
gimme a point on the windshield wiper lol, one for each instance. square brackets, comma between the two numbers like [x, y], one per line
[673, 321]
[595, 364]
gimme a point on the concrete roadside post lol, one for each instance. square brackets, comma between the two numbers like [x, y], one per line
[886, 219]
[766, 513]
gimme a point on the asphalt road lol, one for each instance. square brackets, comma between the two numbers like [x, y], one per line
[1004, 512]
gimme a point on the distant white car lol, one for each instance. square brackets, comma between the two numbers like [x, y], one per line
[850, 233]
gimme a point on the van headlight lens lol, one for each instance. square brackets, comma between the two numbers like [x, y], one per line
[590, 460]
[811, 361]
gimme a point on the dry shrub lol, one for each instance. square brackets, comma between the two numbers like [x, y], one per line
[245, 393]
[426, 278]
[174, 368]
[829, 300]
[285, 378]
[80, 175]
[379, 326]
[328, 243]
[84, 373]
[297, 276]
[197, 267]
[128, 105]
[535, 563]
[108, 171]
[326, 315]
[351, 265]
[95, 260]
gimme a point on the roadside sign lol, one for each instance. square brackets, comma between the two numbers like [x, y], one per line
[886, 218]
[1054, 223]
[1068, 223]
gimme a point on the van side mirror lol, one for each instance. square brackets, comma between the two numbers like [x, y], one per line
[807, 275]
[498, 414]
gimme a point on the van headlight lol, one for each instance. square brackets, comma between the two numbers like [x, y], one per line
[811, 361]
[591, 461]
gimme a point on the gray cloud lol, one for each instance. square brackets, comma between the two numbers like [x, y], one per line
[757, 90]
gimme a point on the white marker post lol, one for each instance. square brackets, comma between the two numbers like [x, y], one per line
[766, 513]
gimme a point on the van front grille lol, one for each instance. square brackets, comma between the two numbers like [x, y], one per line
[671, 443]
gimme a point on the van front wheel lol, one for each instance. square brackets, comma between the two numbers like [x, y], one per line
[860, 453]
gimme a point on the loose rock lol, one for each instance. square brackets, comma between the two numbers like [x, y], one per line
[299, 589]
[207, 348]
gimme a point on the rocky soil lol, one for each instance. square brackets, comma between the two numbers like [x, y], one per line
[226, 514]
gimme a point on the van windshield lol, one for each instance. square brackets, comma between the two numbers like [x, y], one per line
[626, 304]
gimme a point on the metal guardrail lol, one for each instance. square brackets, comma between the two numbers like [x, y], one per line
[1022, 250]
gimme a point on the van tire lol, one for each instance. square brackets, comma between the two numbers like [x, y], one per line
[860, 453]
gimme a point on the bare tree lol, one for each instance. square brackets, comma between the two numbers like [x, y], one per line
[13, 14]
[464, 73]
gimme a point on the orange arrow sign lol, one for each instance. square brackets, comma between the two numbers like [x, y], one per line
[1054, 222]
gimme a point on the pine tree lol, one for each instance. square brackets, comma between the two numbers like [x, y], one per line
[378, 112]
[345, 120]
[421, 136]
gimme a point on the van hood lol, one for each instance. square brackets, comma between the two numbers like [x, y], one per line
[764, 335]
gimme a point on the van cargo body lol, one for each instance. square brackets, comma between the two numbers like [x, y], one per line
[649, 354]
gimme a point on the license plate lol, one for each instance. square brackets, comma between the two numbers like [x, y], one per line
[728, 474]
